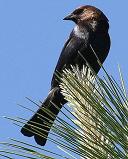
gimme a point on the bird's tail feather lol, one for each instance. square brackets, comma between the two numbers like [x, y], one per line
[40, 123]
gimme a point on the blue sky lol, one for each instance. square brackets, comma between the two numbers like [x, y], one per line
[32, 34]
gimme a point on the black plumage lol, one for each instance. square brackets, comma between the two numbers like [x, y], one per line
[91, 31]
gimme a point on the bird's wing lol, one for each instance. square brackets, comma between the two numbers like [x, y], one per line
[69, 54]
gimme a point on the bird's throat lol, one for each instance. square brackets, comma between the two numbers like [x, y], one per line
[78, 32]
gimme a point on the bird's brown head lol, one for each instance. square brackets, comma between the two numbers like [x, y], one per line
[86, 13]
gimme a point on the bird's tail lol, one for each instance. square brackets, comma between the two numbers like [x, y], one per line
[40, 123]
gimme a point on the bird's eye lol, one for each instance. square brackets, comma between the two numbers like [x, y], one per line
[78, 11]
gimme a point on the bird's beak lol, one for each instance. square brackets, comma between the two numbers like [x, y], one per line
[70, 17]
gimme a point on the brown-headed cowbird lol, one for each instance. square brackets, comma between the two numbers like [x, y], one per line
[91, 31]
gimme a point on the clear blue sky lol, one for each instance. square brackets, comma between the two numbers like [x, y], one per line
[32, 34]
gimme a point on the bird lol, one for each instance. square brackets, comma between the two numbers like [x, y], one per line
[90, 31]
